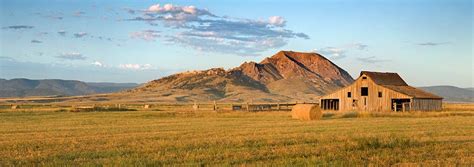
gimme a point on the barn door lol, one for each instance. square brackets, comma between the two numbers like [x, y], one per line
[401, 105]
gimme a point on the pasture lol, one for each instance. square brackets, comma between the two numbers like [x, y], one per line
[58, 137]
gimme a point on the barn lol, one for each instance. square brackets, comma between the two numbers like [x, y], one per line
[380, 92]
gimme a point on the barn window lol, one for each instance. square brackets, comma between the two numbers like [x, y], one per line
[349, 94]
[364, 77]
[380, 94]
[364, 91]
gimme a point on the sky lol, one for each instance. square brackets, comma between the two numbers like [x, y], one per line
[428, 42]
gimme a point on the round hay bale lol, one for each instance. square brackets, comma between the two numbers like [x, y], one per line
[306, 112]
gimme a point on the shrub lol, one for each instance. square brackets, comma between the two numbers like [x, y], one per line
[328, 115]
[61, 110]
[350, 115]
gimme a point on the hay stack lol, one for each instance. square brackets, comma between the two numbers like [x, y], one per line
[306, 112]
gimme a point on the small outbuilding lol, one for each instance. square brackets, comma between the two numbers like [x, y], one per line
[380, 92]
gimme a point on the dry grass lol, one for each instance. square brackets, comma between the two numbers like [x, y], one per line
[458, 107]
[198, 138]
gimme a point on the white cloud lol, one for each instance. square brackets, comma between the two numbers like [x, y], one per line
[71, 56]
[214, 43]
[154, 8]
[147, 66]
[170, 8]
[62, 32]
[17, 27]
[190, 9]
[98, 64]
[174, 15]
[371, 60]
[80, 34]
[277, 21]
[51, 15]
[432, 43]
[202, 30]
[147, 35]
[332, 52]
[79, 13]
[36, 41]
[135, 66]
[358, 46]
[340, 52]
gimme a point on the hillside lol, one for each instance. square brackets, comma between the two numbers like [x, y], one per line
[55, 87]
[451, 93]
[285, 76]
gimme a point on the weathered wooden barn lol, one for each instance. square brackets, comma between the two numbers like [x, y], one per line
[380, 92]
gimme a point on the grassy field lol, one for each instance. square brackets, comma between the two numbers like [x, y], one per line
[235, 138]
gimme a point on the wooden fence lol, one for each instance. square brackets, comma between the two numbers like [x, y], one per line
[251, 107]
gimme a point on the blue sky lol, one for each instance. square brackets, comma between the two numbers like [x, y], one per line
[428, 42]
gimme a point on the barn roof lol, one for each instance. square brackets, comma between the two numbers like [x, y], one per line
[412, 91]
[394, 82]
[385, 78]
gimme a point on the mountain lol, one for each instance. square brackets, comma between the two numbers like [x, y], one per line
[49, 87]
[108, 87]
[285, 76]
[451, 93]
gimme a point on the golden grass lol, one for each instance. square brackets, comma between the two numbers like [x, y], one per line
[198, 138]
[458, 106]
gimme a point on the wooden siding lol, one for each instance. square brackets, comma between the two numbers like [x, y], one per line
[426, 104]
[373, 102]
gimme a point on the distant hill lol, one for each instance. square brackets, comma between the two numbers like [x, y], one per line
[451, 93]
[26, 87]
[108, 87]
[285, 76]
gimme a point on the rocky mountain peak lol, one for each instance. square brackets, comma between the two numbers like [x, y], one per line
[285, 76]
[312, 65]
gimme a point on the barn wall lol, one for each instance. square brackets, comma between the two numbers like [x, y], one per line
[426, 104]
[373, 102]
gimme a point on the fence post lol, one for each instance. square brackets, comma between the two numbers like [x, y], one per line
[215, 106]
